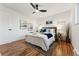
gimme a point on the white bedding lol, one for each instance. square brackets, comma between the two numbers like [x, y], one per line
[40, 40]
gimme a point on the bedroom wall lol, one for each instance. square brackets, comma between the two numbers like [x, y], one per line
[61, 21]
[75, 30]
[57, 19]
[9, 19]
[61, 18]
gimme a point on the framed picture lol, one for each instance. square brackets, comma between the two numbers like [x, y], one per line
[48, 22]
[23, 24]
[30, 27]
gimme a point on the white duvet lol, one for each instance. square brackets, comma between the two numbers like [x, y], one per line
[40, 40]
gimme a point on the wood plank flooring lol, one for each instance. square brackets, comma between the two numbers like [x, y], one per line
[61, 48]
[22, 48]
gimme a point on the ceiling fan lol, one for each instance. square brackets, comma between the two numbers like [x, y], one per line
[35, 6]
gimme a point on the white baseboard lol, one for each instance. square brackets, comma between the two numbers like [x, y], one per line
[76, 53]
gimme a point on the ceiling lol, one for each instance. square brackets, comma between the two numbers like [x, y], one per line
[26, 9]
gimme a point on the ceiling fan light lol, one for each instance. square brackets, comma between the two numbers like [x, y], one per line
[36, 10]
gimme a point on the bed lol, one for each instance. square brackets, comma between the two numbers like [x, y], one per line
[41, 39]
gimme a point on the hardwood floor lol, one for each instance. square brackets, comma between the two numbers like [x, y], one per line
[22, 48]
[61, 48]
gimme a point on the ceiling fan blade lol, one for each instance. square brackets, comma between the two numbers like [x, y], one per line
[32, 5]
[37, 6]
[33, 12]
[43, 10]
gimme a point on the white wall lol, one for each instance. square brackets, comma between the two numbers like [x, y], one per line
[75, 30]
[63, 17]
[10, 19]
[58, 18]
[61, 21]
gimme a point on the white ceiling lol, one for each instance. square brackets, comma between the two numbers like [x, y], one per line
[27, 9]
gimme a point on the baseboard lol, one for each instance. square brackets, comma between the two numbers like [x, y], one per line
[76, 53]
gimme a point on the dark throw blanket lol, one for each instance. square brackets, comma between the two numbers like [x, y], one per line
[49, 35]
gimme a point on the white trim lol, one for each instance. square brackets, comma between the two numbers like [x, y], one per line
[76, 53]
